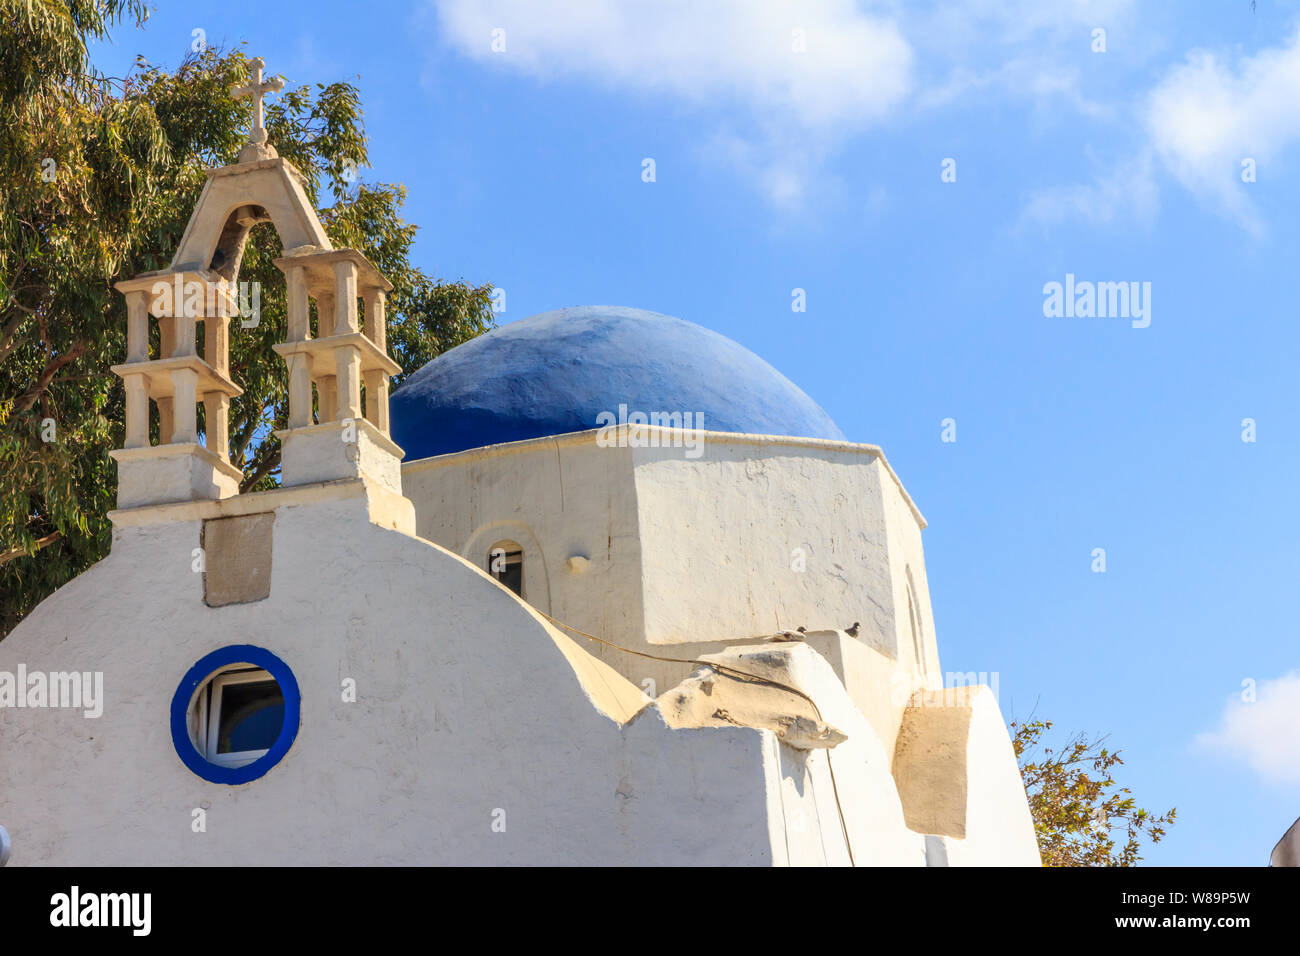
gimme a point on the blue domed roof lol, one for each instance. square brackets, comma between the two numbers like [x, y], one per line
[555, 372]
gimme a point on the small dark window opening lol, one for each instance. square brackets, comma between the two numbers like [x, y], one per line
[507, 566]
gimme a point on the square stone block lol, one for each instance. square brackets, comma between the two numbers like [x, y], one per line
[237, 559]
[161, 474]
[347, 449]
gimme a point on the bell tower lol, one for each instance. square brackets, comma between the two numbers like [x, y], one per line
[340, 435]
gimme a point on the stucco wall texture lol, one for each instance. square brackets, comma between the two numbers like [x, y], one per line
[465, 706]
[754, 536]
[482, 734]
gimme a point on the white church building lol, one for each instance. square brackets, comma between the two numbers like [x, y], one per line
[605, 588]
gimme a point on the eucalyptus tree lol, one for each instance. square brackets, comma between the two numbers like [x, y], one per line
[97, 178]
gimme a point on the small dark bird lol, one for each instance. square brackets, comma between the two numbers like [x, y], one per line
[787, 636]
[852, 631]
[801, 629]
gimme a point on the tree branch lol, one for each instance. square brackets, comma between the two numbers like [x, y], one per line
[10, 330]
[28, 398]
[243, 434]
[12, 553]
[262, 468]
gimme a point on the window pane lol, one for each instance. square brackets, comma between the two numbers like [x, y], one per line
[251, 716]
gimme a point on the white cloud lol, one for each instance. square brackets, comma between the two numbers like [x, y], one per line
[1208, 115]
[856, 67]
[1025, 22]
[777, 116]
[1043, 82]
[1266, 733]
[1014, 49]
[1195, 126]
[1126, 194]
[783, 169]
[777, 113]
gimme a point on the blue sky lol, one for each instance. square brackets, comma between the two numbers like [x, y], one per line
[820, 170]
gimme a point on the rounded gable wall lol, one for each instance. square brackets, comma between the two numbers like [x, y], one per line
[465, 705]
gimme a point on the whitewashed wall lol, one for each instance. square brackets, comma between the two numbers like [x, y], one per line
[466, 703]
[999, 827]
[722, 538]
[688, 551]
[569, 497]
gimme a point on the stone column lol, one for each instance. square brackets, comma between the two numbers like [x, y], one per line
[299, 390]
[296, 295]
[376, 324]
[137, 411]
[216, 412]
[325, 314]
[345, 297]
[376, 379]
[326, 399]
[299, 331]
[165, 424]
[185, 382]
[166, 337]
[377, 399]
[216, 405]
[347, 360]
[216, 342]
[185, 332]
[137, 326]
[326, 388]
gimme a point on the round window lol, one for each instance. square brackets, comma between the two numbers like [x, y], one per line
[235, 714]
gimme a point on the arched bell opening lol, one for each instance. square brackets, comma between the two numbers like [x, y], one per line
[229, 253]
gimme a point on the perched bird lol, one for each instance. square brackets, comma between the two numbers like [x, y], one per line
[801, 629]
[787, 636]
[852, 631]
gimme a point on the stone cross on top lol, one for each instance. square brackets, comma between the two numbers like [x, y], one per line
[257, 146]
